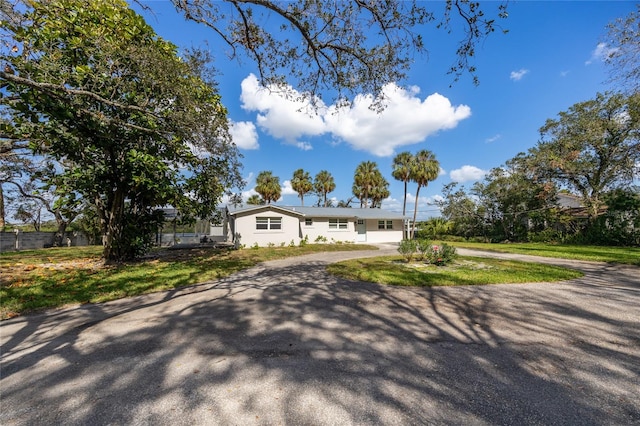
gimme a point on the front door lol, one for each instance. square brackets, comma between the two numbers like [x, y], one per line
[362, 231]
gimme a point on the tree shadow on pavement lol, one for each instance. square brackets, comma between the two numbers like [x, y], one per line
[293, 345]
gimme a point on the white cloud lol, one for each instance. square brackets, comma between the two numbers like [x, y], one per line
[517, 75]
[305, 146]
[406, 120]
[467, 173]
[392, 204]
[249, 179]
[244, 134]
[286, 188]
[248, 193]
[564, 73]
[601, 53]
[426, 206]
[282, 111]
[493, 138]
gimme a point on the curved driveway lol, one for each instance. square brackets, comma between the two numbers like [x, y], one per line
[285, 343]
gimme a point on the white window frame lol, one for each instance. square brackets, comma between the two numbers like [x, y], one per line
[385, 225]
[264, 223]
[338, 223]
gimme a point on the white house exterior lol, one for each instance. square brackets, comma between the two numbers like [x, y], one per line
[271, 224]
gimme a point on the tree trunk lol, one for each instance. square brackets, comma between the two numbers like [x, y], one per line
[405, 231]
[2, 212]
[415, 214]
[114, 227]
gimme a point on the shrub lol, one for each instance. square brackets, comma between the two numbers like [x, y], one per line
[407, 249]
[423, 246]
[320, 239]
[292, 243]
[440, 255]
[304, 241]
[255, 246]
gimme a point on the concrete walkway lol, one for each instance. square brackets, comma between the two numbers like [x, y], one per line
[285, 343]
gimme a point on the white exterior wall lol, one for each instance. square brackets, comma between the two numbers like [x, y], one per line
[375, 235]
[245, 225]
[320, 227]
[295, 229]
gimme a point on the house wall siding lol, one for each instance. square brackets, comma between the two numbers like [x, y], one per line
[375, 235]
[320, 228]
[295, 228]
[245, 229]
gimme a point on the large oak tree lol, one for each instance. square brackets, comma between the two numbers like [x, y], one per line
[592, 148]
[137, 126]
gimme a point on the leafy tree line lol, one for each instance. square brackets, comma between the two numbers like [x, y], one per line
[592, 150]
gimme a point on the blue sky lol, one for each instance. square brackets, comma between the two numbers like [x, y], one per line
[550, 59]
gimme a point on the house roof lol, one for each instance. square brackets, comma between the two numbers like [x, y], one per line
[325, 212]
[569, 201]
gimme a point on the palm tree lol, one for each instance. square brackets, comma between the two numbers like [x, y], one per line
[436, 227]
[268, 186]
[301, 183]
[425, 169]
[323, 184]
[255, 200]
[379, 191]
[364, 181]
[402, 164]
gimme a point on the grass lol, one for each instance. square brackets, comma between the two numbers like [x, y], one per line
[626, 255]
[50, 278]
[393, 270]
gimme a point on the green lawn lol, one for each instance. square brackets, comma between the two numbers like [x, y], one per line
[40, 279]
[626, 255]
[393, 270]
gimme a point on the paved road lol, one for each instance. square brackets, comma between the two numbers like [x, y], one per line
[285, 343]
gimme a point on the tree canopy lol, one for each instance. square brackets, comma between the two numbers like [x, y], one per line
[135, 125]
[301, 183]
[323, 184]
[624, 35]
[592, 148]
[348, 46]
[268, 186]
[425, 168]
[369, 186]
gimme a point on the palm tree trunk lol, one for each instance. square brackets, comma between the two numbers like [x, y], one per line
[404, 211]
[2, 211]
[415, 214]
[404, 201]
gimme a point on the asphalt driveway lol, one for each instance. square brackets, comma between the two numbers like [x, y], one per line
[285, 343]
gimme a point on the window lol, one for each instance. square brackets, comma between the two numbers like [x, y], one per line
[337, 223]
[360, 221]
[268, 223]
[385, 224]
[308, 222]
